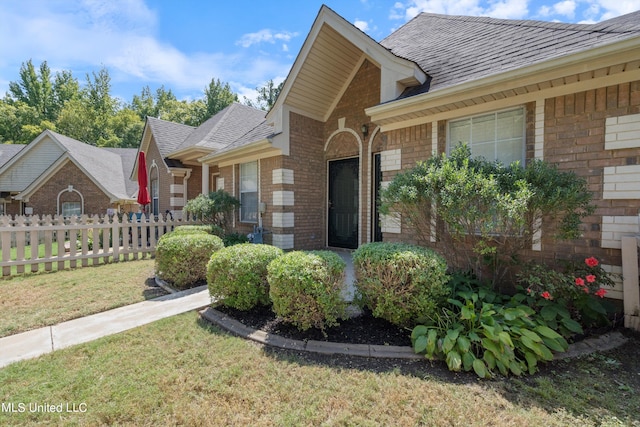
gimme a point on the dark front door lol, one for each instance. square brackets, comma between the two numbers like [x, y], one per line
[377, 180]
[343, 203]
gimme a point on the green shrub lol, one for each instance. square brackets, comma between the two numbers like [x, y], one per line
[231, 239]
[193, 229]
[215, 208]
[305, 288]
[399, 282]
[477, 331]
[237, 275]
[181, 259]
[484, 212]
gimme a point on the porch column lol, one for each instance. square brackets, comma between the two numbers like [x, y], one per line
[205, 179]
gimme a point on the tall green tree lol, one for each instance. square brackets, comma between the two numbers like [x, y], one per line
[217, 97]
[35, 89]
[33, 102]
[153, 105]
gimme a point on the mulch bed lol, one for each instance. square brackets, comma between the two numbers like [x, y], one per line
[362, 329]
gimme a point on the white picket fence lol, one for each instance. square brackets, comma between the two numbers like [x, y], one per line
[33, 243]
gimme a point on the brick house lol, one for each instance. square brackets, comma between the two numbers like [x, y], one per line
[353, 112]
[172, 151]
[55, 174]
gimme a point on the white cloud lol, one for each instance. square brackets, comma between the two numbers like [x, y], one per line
[495, 8]
[607, 9]
[565, 8]
[264, 36]
[122, 36]
[361, 25]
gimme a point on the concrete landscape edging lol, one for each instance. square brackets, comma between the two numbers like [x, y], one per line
[604, 342]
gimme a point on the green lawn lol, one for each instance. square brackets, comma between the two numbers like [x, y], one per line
[27, 251]
[183, 371]
[35, 300]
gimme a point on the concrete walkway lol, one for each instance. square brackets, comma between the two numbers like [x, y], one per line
[34, 343]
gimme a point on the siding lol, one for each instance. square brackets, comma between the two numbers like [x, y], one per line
[23, 172]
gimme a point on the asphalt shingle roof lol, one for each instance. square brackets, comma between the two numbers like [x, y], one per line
[168, 135]
[258, 133]
[224, 127]
[104, 165]
[456, 49]
[7, 151]
[128, 157]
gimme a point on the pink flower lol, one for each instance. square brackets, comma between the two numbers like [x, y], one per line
[545, 295]
[591, 278]
[529, 291]
[579, 281]
[586, 290]
[601, 292]
[591, 262]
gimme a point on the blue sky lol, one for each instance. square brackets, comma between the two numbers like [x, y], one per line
[184, 44]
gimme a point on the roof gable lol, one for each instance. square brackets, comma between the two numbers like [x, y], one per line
[28, 164]
[331, 54]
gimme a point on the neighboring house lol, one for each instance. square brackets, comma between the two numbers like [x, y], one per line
[353, 112]
[55, 174]
[172, 150]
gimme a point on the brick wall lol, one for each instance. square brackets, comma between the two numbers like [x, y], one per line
[576, 128]
[595, 134]
[414, 144]
[306, 159]
[45, 200]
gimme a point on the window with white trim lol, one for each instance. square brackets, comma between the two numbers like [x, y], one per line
[71, 209]
[249, 192]
[495, 136]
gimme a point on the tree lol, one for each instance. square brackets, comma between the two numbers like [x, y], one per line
[34, 88]
[14, 116]
[267, 96]
[126, 129]
[217, 97]
[148, 104]
[33, 103]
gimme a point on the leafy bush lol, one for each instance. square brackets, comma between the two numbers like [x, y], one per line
[237, 275]
[181, 259]
[399, 282]
[305, 288]
[215, 208]
[477, 331]
[578, 289]
[231, 239]
[485, 212]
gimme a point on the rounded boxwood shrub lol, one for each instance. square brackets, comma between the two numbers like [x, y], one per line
[237, 275]
[181, 259]
[400, 283]
[193, 229]
[305, 288]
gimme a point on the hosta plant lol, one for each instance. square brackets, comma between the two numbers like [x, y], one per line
[474, 334]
